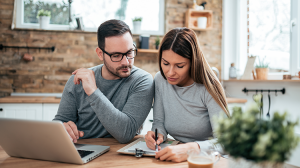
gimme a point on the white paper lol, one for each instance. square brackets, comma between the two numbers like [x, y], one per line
[142, 145]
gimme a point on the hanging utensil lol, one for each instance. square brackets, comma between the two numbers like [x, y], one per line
[261, 106]
[268, 114]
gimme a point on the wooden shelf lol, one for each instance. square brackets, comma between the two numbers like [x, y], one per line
[147, 51]
[192, 15]
[261, 81]
[236, 100]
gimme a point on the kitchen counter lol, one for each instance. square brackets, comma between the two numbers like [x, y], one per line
[53, 99]
[30, 99]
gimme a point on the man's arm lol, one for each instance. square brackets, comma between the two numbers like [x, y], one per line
[124, 124]
[67, 111]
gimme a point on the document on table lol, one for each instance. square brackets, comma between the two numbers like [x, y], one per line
[142, 145]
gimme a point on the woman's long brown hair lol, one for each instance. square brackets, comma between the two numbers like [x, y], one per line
[184, 42]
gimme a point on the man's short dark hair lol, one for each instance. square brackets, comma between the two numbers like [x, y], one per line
[111, 28]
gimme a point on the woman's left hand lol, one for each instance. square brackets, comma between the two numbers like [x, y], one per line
[177, 153]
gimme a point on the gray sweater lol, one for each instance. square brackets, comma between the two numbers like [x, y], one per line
[186, 113]
[117, 108]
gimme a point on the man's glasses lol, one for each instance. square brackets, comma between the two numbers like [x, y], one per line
[117, 57]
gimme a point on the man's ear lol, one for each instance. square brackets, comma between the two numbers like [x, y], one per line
[99, 53]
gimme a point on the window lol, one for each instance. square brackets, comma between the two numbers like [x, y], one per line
[295, 37]
[26, 12]
[59, 11]
[269, 30]
[92, 14]
[95, 12]
[274, 33]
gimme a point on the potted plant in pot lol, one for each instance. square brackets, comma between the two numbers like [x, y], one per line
[262, 69]
[44, 18]
[157, 42]
[137, 21]
[254, 142]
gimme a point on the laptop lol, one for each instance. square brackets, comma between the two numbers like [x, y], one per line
[44, 140]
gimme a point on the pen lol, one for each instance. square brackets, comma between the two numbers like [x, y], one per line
[156, 148]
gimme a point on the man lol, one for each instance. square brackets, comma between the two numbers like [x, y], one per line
[111, 99]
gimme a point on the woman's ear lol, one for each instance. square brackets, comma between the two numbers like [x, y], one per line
[99, 53]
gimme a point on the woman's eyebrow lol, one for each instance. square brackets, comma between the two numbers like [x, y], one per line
[164, 60]
[175, 63]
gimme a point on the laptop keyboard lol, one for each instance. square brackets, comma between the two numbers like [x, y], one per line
[84, 153]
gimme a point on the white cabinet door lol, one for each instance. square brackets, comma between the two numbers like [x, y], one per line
[21, 111]
[49, 110]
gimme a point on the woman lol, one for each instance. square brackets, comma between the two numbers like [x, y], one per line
[187, 96]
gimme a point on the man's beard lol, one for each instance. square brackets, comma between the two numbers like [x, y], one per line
[116, 72]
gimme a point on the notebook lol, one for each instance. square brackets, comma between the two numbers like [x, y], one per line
[141, 144]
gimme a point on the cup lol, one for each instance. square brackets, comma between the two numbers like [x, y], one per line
[202, 22]
[27, 57]
[202, 159]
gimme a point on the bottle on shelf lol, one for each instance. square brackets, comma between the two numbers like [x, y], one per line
[194, 4]
[232, 72]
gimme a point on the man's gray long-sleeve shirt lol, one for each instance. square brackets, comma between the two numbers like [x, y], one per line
[117, 108]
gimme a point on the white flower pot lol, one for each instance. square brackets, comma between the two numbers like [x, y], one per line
[243, 163]
[137, 27]
[44, 22]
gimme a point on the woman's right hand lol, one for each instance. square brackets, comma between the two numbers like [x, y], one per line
[150, 140]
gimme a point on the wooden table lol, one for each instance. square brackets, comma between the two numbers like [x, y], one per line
[109, 159]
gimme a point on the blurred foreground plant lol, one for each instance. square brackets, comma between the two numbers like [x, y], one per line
[246, 135]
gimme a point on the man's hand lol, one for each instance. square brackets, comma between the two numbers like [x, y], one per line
[87, 77]
[72, 131]
[150, 140]
[176, 153]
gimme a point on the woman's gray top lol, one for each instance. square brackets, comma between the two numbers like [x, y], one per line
[186, 113]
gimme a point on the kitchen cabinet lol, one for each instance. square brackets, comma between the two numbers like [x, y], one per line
[31, 111]
[49, 111]
[22, 111]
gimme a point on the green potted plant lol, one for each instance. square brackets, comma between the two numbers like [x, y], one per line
[262, 69]
[44, 18]
[157, 42]
[255, 142]
[137, 21]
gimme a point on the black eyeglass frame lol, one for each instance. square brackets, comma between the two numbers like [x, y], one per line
[135, 49]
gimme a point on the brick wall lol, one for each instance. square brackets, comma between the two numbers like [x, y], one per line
[49, 71]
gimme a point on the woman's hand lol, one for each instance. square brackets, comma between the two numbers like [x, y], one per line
[150, 140]
[177, 153]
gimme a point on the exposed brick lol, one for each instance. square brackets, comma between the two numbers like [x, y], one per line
[50, 71]
[8, 2]
[4, 94]
[6, 14]
[65, 71]
[4, 6]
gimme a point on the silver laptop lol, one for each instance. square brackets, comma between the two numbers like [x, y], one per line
[44, 140]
